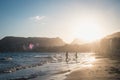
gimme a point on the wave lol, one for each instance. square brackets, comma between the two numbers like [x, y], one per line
[6, 59]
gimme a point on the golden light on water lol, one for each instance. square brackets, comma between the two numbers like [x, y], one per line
[89, 60]
[88, 65]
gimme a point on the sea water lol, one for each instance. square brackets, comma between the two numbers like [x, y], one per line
[39, 65]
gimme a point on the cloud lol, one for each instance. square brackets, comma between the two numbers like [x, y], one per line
[38, 18]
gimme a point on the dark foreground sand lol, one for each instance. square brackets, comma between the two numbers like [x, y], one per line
[103, 69]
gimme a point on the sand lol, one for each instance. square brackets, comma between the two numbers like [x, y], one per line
[103, 69]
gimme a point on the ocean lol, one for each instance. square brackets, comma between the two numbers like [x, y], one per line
[50, 66]
[31, 65]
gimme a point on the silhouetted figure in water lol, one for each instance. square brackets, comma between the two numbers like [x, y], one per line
[66, 57]
[76, 56]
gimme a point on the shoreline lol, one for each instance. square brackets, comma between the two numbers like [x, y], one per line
[103, 69]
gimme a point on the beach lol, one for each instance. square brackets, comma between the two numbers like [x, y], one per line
[102, 69]
[53, 66]
[44, 66]
[97, 68]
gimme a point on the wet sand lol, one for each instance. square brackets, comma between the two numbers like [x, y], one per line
[102, 69]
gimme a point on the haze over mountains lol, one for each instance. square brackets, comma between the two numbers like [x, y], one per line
[42, 44]
[77, 41]
[114, 35]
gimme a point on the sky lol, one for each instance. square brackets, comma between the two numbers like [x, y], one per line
[67, 19]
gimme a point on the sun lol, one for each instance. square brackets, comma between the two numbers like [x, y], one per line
[88, 29]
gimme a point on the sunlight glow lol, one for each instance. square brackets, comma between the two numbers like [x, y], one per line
[90, 59]
[88, 65]
[88, 29]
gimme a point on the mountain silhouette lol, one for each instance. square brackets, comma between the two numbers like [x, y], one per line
[25, 44]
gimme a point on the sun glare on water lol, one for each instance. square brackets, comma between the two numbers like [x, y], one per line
[88, 29]
[89, 60]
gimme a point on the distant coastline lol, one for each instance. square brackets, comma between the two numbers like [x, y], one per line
[107, 44]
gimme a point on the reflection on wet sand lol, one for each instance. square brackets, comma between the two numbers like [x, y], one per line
[97, 69]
